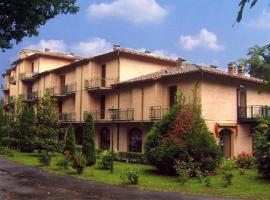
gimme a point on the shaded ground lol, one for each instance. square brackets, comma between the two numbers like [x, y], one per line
[24, 183]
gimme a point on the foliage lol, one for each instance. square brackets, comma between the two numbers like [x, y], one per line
[242, 171]
[132, 157]
[261, 147]
[63, 164]
[227, 178]
[182, 135]
[244, 160]
[60, 146]
[23, 18]
[207, 181]
[6, 151]
[183, 171]
[228, 165]
[131, 174]
[70, 144]
[88, 146]
[79, 162]
[105, 159]
[5, 129]
[26, 128]
[242, 5]
[47, 124]
[45, 159]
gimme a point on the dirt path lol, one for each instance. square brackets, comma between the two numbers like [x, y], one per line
[24, 183]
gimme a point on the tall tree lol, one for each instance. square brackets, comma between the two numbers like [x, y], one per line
[47, 124]
[89, 147]
[70, 144]
[26, 129]
[242, 6]
[22, 18]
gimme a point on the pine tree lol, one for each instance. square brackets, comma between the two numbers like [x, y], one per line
[70, 144]
[26, 129]
[89, 147]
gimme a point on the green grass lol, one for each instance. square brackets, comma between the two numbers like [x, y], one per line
[244, 186]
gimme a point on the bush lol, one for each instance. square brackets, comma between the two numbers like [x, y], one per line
[261, 147]
[45, 159]
[131, 175]
[183, 171]
[207, 181]
[227, 178]
[105, 159]
[182, 135]
[70, 144]
[79, 162]
[228, 165]
[60, 147]
[244, 160]
[63, 164]
[6, 151]
[131, 157]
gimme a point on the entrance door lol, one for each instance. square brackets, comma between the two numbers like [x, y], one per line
[226, 143]
[103, 75]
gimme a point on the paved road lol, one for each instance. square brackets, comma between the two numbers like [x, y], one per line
[25, 183]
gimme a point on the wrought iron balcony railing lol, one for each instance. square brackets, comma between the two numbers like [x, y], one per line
[67, 117]
[32, 96]
[157, 112]
[100, 83]
[121, 114]
[12, 80]
[251, 113]
[68, 89]
[28, 76]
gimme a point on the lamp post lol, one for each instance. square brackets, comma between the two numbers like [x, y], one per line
[113, 113]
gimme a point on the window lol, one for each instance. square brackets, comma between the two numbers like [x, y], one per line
[105, 138]
[135, 140]
[172, 93]
[102, 107]
[242, 101]
[103, 75]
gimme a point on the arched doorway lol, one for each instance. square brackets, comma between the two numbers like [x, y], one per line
[105, 138]
[225, 142]
[135, 140]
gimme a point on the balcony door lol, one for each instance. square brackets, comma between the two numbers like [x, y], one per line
[103, 75]
[102, 107]
[242, 102]
[172, 94]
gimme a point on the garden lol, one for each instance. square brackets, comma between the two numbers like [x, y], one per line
[180, 153]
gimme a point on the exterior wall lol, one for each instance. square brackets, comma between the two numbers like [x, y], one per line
[47, 63]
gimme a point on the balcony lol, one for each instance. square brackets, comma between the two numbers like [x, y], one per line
[5, 87]
[28, 77]
[65, 91]
[157, 112]
[12, 80]
[121, 115]
[10, 101]
[251, 113]
[30, 97]
[67, 117]
[99, 84]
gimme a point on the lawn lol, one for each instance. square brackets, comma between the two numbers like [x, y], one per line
[244, 186]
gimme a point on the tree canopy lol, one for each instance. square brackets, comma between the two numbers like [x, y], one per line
[19, 19]
[242, 6]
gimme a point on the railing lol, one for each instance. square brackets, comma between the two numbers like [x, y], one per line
[32, 96]
[12, 80]
[68, 89]
[100, 83]
[252, 112]
[121, 114]
[28, 76]
[50, 90]
[157, 112]
[67, 117]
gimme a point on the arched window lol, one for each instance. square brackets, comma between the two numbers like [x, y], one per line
[135, 140]
[105, 138]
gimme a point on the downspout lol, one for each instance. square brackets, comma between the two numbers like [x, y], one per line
[118, 97]
[81, 89]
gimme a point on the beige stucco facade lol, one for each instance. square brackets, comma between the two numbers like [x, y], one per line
[91, 85]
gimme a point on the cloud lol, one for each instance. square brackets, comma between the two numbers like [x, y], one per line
[261, 22]
[135, 11]
[54, 45]
[92, 47]
[164, 53]
[205, 39]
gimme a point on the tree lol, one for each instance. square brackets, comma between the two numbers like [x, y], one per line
[47, 124]
[242, 6]
[4, 126]
[70, 144]
[89, 147]
[22, 18]
[26, 129]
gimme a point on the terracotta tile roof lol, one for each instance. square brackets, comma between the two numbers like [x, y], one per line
[187, 68]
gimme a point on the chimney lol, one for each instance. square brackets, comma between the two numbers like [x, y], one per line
[116, 46]
[47, 50]
[213, 66]
[147, 52]
[232, 68]
[241, 69]
[179, 61]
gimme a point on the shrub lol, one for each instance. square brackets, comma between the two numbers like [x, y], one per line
[63, 164]
[131, 174]
[183, 171]
[227, 178]
[60, 147]
[261, 147]
[228, 165]
[105, 159]
[244, 160]
[207, 181]
[79, 162]
[6, 151]
[70, 144]
[88, 146]
[131, 157]
[45, 159]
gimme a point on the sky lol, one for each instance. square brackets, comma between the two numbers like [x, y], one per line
[203, 32]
